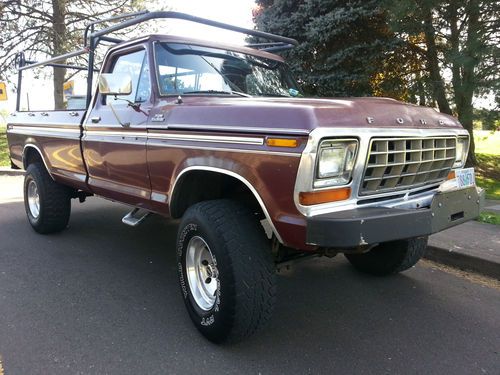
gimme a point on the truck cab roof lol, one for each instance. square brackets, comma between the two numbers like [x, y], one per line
[199, 42]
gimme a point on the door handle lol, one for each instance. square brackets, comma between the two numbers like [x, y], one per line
[74, 114]
[95, 119]
[31, 114]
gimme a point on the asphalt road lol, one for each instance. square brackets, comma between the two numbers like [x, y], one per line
[102, 298]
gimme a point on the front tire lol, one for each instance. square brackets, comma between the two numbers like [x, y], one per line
[47, 203]
[226, 271]
[390, 257]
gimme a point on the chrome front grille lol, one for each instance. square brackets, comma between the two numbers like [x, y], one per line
[401, 163]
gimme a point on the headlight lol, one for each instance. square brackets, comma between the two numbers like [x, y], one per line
[461, 152]
[335, 162]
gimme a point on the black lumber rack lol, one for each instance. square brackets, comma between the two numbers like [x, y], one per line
[93, 37]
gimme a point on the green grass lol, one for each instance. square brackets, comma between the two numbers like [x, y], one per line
[488, 162]
[491, 186]
[487, 142]
[4, 150]
[489, 217]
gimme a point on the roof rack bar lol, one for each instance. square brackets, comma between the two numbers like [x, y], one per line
[271, 47]
[110, 39]
[256, 45]
[114, 18]
[278, 48]
[177, 15]
[54, 59]
[92, 39]
[20, 61]
[67, 66]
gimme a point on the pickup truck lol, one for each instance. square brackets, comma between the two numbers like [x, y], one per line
[221, 137]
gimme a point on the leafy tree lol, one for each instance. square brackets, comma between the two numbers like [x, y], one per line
[346, 47]
[457, 38]
[47, 28]
[489, 119]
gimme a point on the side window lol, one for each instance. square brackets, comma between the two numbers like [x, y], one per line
[144, 87]
[136, 65]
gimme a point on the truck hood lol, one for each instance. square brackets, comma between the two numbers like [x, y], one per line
[297, 115]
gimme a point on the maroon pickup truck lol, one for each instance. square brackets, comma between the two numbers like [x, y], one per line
[221, 137]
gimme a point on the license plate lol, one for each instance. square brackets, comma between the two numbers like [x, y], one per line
[465, 177]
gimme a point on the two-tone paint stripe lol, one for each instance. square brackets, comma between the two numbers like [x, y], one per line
[46, 131]
[183, 141]
[153, 138]
[241, 129]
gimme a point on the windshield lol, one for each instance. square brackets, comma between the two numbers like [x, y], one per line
[187, 69]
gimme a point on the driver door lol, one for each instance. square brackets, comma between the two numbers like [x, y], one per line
[115, 135]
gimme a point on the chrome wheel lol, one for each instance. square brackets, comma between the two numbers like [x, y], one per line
[33, 199]
[202, 273]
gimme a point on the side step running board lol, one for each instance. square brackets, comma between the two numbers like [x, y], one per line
[135, 217]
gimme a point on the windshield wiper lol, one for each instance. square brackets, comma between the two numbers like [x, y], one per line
[232, 92]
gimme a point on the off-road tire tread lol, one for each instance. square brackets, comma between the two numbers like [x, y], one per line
[414, 252]
[390, 257]
[55, 201]
[249, 256]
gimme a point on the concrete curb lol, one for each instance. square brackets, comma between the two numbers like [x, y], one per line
[6, 171]
[463, 261]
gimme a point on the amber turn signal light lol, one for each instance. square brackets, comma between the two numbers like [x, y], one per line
[451, 175]
[281, 142]
[324, 196]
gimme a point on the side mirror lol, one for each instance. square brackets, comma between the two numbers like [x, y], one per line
[115, 84]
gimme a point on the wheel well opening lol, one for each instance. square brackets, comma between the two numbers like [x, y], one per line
[30, 156]
[198, 186]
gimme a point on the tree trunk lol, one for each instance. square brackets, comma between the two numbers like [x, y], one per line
[58, 39]
[420, 89]
[439, 92]
[463, 105]
[465, 116]
[463, 68]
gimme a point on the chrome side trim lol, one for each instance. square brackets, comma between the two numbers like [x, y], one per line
[57, 132]
[30, 145]
[159, 143]
[305, 175]
[160, 140]
[177, 137]
[232, 174]
[115, 133]
[207, 138]
[46, 128]
[242, 129]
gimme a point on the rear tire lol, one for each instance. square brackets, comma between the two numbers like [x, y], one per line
[47, 203]
[390, 257]
[226, 271]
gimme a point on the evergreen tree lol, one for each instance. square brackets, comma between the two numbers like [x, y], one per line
[346, 47]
